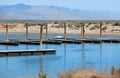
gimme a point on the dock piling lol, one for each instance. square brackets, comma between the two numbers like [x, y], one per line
[6, 31]
[46, 31]
[26, 31]
[100, 30]
[41, 31]
[83, 31]
[64, 30]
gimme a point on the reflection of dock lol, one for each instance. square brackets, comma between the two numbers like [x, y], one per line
[26, 52]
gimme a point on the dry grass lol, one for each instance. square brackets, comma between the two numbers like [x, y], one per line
[82, 74]
[67, 74]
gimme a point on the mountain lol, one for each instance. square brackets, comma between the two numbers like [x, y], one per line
[27, 12]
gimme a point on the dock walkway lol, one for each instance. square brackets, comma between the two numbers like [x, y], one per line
[26, 52]
[58, 42]
[14, 43]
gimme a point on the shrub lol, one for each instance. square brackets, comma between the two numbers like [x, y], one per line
[92, 28]
[42, 75]
[116, 24]
[104, 28]
[89, 23]
[97, 26]
[56, 22]
[112, 70]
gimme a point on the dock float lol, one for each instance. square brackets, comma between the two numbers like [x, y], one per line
[13, 43]
[111, 40]
[26, 52]
[72, 41]
[38, 43]
[91, 41]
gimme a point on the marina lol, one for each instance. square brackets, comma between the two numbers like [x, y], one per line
[32, 53]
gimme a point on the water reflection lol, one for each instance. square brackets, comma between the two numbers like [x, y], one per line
[68, 57]
[27, 47]
[41, 64]
[100, 57]
[83, 56]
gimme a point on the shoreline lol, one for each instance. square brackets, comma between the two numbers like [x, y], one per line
[91, 29]
[117, 35]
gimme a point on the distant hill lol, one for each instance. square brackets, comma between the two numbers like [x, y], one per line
[27, 12]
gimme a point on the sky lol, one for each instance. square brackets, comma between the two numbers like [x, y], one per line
[110, 5]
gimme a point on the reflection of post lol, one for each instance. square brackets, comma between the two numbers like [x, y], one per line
[41, 64]
[26, 31]
[46, 31]
[83, 56]
[100, 57]
[100, 30]
[6, 47]
[64, 56]
[46, 46]
[41, 31]
[6, 32]
[26, 46]
[64, 30]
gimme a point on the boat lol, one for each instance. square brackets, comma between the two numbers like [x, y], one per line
[58, 37]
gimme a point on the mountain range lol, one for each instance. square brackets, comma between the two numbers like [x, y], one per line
[28, 12]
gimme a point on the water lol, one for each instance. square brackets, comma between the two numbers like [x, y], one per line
[100, 57]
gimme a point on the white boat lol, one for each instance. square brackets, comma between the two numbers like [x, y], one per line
[58, 37]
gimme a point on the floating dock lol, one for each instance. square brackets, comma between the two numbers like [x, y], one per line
[38, 43]
[26, 52]
[58, 42]
[13, 43]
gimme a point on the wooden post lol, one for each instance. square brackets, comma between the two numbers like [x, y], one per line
[6, 32]
[83, 31]
[100, 30]
[41, 31]
[26, 31]
[64, 31]
[46, 31]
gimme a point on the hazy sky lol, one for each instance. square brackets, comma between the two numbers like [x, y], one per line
[113, 5]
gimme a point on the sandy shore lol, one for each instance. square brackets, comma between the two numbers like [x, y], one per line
[72, 28]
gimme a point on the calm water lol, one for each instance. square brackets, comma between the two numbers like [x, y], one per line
[68, 57]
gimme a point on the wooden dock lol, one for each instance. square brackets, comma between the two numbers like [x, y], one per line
[72, 41]
[58, 42]
[13, 43]
[38, 43]
[26, 52]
